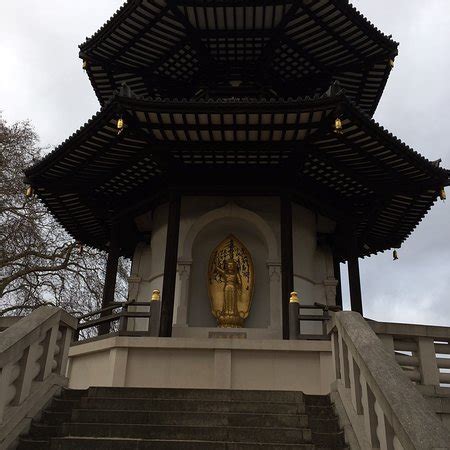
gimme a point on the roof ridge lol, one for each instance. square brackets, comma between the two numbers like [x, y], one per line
[128, 4]
[389, 135]
[338, 3]
[50, 155]
[368, 23]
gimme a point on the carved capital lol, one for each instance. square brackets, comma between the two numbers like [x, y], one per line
[184, 269]
[134, 279]
[274, 271]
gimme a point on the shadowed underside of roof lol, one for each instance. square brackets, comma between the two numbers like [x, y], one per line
[363, 176]
[183, 48]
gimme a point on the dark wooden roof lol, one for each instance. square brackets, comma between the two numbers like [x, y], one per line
[364, 176]
[181, 48]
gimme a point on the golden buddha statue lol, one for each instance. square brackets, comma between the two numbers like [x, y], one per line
[230, 283]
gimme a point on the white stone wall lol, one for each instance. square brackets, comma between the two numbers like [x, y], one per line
[313, 263]
[207, 363]
[204, 223]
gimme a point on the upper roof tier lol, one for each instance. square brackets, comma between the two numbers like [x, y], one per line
[220, 48]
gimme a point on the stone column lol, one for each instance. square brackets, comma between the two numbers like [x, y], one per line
[276, 323]
[355, 284]
[109, 288]
[170, 266]
[184, 276]
[287, 259]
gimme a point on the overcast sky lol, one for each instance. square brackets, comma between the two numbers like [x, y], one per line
[41, 79]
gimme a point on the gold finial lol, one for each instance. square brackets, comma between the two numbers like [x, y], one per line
[391, 63]
[29, 192]
[395, 255]
[294, 298]
[442, 195]
[120, 125]
[338, 126]
[85, 64]
[156, 295]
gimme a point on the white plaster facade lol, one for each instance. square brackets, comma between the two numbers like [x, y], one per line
[206, 221]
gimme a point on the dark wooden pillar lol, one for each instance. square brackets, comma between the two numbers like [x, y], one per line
[337, 276]
[287, 260]
[109, 287]
[354, 280]
[170, 266]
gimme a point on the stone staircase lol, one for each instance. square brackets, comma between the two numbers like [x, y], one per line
[133, 418]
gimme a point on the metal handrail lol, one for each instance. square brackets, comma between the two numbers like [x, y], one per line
[104, 322]
[296, 317]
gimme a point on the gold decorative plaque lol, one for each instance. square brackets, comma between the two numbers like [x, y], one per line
[231, 280]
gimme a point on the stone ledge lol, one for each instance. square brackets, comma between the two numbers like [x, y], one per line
[195, 343]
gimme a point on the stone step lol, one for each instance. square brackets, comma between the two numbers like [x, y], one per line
[184, 433]
[73, 394]
[201, 394]
[42, 431]
[60, 404]
[33, 444]
[327, 425]
[334, 440]
[55, 417]
[148, 404]
[189, 418]
[324, 412]
[76, 443]
[317, 400]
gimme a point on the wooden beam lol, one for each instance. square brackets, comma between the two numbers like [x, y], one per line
[354, 278]
[337, 276]
[109, 287]
[287, 260]
[170, 266]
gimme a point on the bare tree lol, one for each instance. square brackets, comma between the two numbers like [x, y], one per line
[39, 262]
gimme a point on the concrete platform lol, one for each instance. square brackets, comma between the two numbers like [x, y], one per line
[202, 363]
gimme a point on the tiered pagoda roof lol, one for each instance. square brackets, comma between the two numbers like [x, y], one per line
[184, 48]
[219, 98]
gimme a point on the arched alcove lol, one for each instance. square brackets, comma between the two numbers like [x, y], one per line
[231, 210]
[196, 247]
[199, 314]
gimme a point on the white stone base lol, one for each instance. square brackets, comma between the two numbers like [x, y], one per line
[202, 363]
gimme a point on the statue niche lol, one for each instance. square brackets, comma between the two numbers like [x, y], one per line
[230, 283]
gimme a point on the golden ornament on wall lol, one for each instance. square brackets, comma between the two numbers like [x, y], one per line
[231, 280]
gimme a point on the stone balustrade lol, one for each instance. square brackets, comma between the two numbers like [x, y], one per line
[33, 363]
[378, 406]
[422, 351]
[6, 322]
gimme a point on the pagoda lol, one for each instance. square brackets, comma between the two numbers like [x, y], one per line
[234, 159]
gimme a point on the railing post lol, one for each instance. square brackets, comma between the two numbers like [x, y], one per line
[123, 324]
[7, 390]
[388, 342]
[343, 362]
[385, 432]
[48, 356]
[428, 364]
[155, 313]
[355, 385]
[27, 372]
[65, 337]
[294, 319]
[370, 415]
[336, 357]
